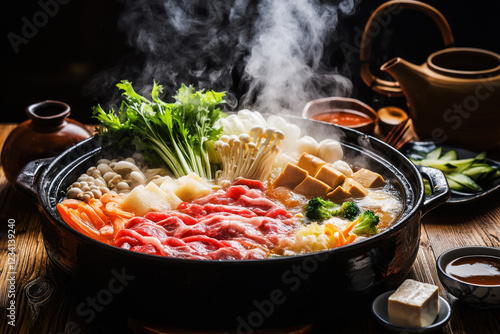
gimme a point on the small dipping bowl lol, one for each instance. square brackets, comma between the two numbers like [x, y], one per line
[379, 310]
[467, 288]
[343, 111]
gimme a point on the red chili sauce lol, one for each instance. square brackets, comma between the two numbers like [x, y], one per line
[475, 269]
[344, 117]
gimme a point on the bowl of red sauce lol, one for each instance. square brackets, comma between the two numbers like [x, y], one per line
[343, 111]
[472, 274]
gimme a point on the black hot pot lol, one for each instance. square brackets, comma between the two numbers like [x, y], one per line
[239, 295]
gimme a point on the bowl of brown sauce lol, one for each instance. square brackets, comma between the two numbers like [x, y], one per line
[472, 274]
[343, 111]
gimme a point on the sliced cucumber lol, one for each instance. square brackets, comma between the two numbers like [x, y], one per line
[480, 172]
[435, 153]
[450, 155]
[464, 175]
[447, 166]
[481, 156]
[465, 181]
[456, 186]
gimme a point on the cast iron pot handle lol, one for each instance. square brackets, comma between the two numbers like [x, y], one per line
[439, 185]
[27, 179]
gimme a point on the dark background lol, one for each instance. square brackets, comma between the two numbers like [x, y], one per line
[82, 39]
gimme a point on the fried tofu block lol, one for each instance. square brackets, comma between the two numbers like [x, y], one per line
[290, 177]
[354, 188]
[369, 179]
[338, 194]
[310, 163]
[312, 187]
[330, 175]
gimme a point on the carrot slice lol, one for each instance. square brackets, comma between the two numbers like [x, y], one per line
[118, 223]
[350, 239]
[96, 220]
[349, 228]
[341, 239]
[106, 231]
[112, 208]
[71, 203]
[336, 239]
[86, 220]
[110, 197]
[98, 208]
[76, 221]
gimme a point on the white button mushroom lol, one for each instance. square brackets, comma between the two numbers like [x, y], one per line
[109, 176]
[103, 161]
[136, 178]
[100, 182]
[82, 177]
[122, 185]
[124, 167]
[74, 193]
[97, 193]
[104, 168]
[91, 170]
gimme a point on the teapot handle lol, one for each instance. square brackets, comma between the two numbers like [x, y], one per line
[392, 88]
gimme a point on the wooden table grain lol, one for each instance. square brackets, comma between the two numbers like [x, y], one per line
[46, 303]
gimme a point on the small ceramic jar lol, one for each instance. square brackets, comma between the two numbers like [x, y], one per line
[47, 133]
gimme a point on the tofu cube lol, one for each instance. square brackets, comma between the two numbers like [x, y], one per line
[312, 187]
[354, 188]
[369, 179]
[338, 194]
[290, 177]
[414, 304]
[330, 175]
[310, 163]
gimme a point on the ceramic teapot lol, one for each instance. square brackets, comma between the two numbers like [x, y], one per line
[454, 97]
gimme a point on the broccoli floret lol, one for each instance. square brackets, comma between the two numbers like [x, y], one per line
[348, 210]
[367, 223]
[319, 209]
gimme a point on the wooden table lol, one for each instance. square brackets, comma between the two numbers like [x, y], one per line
[45, 304]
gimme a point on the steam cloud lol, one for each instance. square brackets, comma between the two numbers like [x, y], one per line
[268, 55]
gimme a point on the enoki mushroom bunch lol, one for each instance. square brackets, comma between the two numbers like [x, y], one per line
[248, 155]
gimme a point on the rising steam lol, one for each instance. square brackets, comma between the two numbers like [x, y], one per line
[284, 68]
[268, 55]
